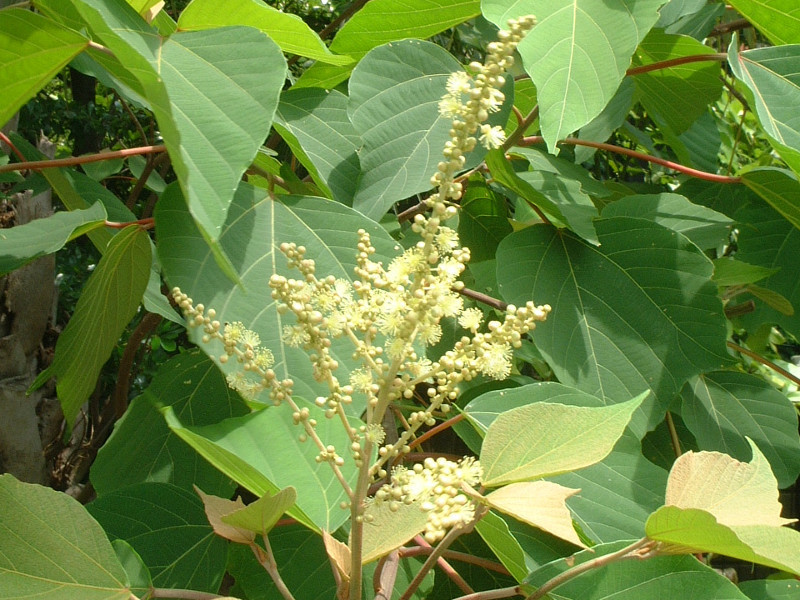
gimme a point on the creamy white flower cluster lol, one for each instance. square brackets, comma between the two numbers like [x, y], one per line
[436, 485]
[390, 314]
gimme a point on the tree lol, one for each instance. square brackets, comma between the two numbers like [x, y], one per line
[630, 167]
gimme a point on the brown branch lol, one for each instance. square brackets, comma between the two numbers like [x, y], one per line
[537, 139]
[147, 325]
[673, 435]
[147, 223]
[766, 362]
[455, 555]
[435, 430]
[734, 25]
[483, 299]
[36, 165]
[674, 62]
[445, 567]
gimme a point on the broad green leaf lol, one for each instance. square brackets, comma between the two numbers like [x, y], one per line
[383, 21]
[482, 221]
[674, 10]
[772, 299]
[327, 229]
[167, 527]
[770, 589]
[699, 146]
[542, 504]
[543, 439]
[729, 271]
[108, 302]
[33, 49]
[394, 107]
[565, 192]
[768, 240]
[724, 408]
[503, 173]
[779, 20]
[676, 96]
[691, 530]
[494, 531]
[137, 572]
[773, 77]
[736, 493]
[721, 197]
[388, 529]
[262, 451]
[317, 122]
[261, 515]
[51, 548]
[302, 563]
[610, 118]
[105, 168]
[637, 312]
[193, 79]
[142, 447]
[577, 54]
[659, 577]
[21, 244]
[540, 160]
[618, 493]
[779, 187]
[289, 31]
[707, 228]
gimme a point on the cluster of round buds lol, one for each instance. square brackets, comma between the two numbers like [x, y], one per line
[469, 101]
[437, 486]
[241, 344]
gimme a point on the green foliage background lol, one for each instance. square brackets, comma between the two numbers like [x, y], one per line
[648, 192]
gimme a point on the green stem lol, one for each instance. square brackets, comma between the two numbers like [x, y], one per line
[508, 592]
[630, 551]
[357, 521]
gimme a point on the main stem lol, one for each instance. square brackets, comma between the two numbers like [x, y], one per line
[357, 521]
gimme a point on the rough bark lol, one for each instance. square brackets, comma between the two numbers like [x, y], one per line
[26, 306]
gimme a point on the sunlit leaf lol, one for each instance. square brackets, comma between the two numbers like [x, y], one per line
[678, 95]
[541, 504]
[779, 20]
[736, 493]
[32, 50]
[316, 121]
[577, 54]
[382, 21]
[53, 558]
[545, 439]
[289, 31]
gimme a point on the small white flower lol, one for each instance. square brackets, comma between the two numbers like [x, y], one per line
[459, 83]
[450, 107]
[492, 137]
[471, 319]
